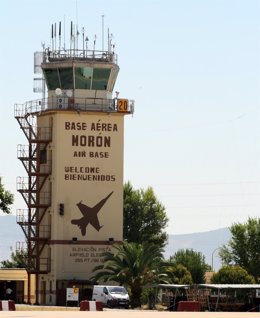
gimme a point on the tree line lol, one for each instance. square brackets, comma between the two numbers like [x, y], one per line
[138, 263]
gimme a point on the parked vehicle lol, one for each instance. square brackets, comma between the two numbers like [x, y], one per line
[111, 296]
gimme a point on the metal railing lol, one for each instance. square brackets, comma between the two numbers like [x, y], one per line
[65, 103]
[76, 54]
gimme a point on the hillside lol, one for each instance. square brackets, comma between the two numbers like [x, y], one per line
[204, 242]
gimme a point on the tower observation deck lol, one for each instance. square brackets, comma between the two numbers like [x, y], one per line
[77, 79]
[74, 166]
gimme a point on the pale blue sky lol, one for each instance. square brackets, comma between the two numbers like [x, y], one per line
[192, 67]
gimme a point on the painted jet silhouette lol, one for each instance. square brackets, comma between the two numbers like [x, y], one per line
[89, 215]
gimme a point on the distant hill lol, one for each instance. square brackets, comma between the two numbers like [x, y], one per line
[204, 242]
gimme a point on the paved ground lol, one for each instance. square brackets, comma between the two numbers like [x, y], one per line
[124, 314]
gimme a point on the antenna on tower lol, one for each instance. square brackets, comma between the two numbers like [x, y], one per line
[52, 43]
[86, 39]
[77, 30]
[77, 13]
[108, 41]
[55, 36]
[71, 35]
[64, 38]
[83, 40]
[102, 32]
[77, 37]
[95, 38]
[59, 35]
[110, 37]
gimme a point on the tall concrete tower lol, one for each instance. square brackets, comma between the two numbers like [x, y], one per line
[74, 164]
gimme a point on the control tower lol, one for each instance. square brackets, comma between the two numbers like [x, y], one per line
[74, 165]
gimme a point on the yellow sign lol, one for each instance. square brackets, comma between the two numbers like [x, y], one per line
[122, 105]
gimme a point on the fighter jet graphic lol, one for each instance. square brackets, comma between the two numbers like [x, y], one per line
[89, 215]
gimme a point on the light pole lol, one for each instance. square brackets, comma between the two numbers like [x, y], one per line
[212, 257]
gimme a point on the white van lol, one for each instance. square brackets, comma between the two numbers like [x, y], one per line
[111, 296]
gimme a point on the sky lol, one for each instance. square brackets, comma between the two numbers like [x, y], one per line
[192, 67]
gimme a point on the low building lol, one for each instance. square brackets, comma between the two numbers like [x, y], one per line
[14, 285]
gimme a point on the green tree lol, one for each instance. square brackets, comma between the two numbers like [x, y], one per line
[244, 247]
[178, 274]
[15, 262]
[145, 218]
[232, 275]
[133, 265]
[194, 262]
[6, 199]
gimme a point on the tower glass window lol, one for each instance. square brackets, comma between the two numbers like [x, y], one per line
[85, 78]
[66, 78]
[52, 78]
[59, 78]
[100, 78]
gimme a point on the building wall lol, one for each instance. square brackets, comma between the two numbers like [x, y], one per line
[79, 175]
[86, 154]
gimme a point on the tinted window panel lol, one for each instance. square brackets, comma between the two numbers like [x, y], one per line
[83, 77]
[52, 79]
[100, 78]
[66, 78]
